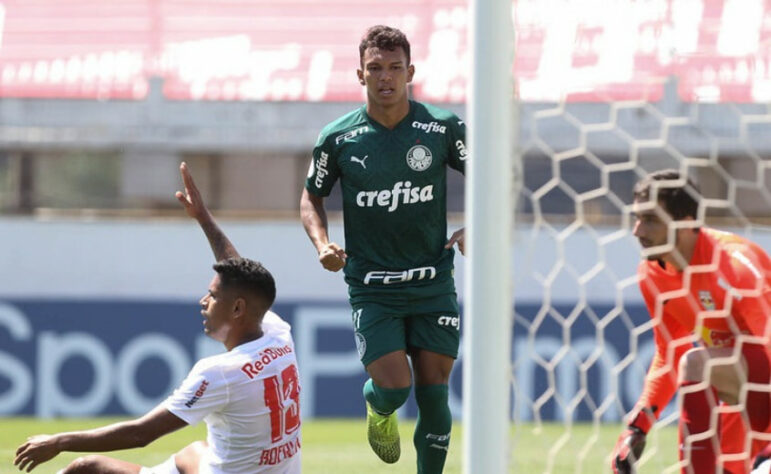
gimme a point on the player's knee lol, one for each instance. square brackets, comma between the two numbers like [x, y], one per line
[86, 464]
[692, 365]
[188, 458]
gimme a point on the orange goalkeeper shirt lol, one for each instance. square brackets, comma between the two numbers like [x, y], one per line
[724, 292]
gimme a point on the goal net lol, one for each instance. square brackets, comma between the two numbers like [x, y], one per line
[607, 92]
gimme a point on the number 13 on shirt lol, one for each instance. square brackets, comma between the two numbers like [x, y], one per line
[283, 399]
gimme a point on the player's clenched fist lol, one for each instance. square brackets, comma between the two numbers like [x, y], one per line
[332, 257]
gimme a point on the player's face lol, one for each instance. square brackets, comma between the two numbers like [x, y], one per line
[652, 230]
[385, 75]
[216, 309]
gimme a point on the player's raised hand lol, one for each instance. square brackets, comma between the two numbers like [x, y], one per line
[37, 450]
[191, 199]
[332, 257]
[457, 237]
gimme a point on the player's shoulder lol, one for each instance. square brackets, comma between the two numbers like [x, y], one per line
[213, 363]
[747, 259]
[737, 247]
[273, 324]
[424, 111]
[340, 127]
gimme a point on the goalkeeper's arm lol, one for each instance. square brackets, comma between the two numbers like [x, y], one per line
[631, 443]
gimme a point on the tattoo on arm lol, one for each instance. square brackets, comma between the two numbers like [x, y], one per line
[219, 242]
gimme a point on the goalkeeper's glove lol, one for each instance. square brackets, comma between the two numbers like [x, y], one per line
[631, 443]
[762, 456]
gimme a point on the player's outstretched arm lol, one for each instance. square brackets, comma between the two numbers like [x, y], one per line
[193, 203]
[314, 218]
[124, 435]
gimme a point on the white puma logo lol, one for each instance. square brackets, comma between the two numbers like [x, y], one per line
[360, 161]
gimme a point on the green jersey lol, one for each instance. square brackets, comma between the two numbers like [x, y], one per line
[394, 186]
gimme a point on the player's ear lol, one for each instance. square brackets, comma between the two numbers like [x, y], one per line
[410, 72]
[239, 307]
[360, 74]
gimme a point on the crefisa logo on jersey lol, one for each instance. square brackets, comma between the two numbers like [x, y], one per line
[321, 171]
[461, 149]
[430, 127]
[419, 158]
[451, 321]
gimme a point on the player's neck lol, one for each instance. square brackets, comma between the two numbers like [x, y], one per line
[243, 338]
[684, 249]
[388, 116]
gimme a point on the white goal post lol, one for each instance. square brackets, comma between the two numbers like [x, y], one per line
[489, 217]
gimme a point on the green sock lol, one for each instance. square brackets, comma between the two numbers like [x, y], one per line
[432, 432]
[385, 400]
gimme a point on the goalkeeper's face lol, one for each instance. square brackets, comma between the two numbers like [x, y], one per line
[652, 229]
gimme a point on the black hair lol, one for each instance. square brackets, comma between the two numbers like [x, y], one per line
[247, 275]
[384, 37]
[678, 198]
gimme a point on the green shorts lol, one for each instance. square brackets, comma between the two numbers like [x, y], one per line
[431, 323]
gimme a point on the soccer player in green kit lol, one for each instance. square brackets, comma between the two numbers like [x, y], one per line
[391, 157]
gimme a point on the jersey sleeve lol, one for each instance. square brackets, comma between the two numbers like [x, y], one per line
[323, 170]
[458, 151]
[202, 392]
[751, 285]
[672, 341]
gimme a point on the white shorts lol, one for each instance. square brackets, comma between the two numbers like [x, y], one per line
[166, 467]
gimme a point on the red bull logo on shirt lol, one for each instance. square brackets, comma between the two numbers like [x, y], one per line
[252, 369]
[707, 302]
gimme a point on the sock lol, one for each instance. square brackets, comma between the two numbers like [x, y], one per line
[385, 400]
[695, 418]
[432, 431]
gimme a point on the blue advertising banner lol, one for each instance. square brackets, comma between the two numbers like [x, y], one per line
[98, 357]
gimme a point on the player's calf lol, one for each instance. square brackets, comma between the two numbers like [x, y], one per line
[432, 431]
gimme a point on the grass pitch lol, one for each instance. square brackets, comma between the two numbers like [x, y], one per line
[340, 447]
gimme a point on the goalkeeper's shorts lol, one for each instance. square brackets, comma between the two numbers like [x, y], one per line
[431, 323]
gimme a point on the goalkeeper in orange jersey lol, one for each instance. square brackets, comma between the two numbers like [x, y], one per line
[709, 295]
